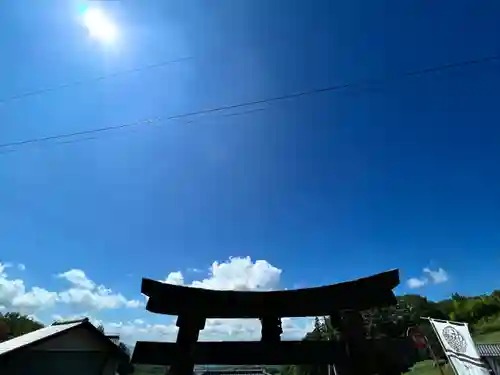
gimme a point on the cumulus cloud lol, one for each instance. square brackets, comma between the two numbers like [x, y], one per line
[84, 294]
[250, 329]
[415, 283]
[238, 273]
[87, 295]
[215, 329]
[438, 276]
[131, 331]
[87, 298]
[175, 278]
[15, 297]
[78, 279]
[35, 298]
[429, 276]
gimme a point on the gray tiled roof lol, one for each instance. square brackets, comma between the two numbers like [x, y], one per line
[488, 350]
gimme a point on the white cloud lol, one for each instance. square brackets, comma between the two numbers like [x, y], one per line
[240, 273]
[78, 279]
[235, 274]
[250, 329]
[415, 283]
[35, 298]
[21, 267]
[131, 331]
[134, 303]
[438, 276]
[175, 278]
[215, 330]
[87, 295]
[88, 299]
[15, 297]
[84, 294]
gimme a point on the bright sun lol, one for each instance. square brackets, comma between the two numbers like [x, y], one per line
[99, 26]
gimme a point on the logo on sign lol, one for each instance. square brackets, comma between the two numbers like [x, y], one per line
[454, 339]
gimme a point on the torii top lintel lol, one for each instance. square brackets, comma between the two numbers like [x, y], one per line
[360, 294]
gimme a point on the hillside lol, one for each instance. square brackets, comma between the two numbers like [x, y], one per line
[481, 312]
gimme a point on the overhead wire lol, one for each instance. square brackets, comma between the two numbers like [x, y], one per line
[78, 140]
[268, 100]
[93, 79]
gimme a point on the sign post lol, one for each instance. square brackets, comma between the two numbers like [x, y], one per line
[421, 342]
[457, 343]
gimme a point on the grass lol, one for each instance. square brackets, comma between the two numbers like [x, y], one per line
[149, 370]
[428, 368]
[488, 337]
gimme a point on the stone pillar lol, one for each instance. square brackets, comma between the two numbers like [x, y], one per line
[353, 332]
[189, 331]
[271, 329]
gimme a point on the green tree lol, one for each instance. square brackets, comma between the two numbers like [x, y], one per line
[18, 324]
[124, 348]
[125, 367]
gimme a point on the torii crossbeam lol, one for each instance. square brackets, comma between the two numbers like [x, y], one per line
[353, 354]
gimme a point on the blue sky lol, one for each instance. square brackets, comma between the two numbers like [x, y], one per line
[324, 188]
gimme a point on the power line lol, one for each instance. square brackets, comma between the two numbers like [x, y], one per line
[142, 122]
[92, 79]
[256, 102]
[77, 140]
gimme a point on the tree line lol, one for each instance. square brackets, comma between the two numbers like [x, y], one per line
[13, 324]
[482, 313]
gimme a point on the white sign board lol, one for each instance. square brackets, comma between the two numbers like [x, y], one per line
[459, 348]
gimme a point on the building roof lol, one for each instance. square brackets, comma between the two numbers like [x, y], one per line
[35, 336]
[488, 350]
[114, 338]
[52, 331]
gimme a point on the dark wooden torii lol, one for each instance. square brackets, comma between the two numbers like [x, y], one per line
[352, 354]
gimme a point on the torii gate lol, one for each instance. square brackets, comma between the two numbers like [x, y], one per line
[352, 354]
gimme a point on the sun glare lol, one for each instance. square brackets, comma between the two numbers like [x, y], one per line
[99, 26]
